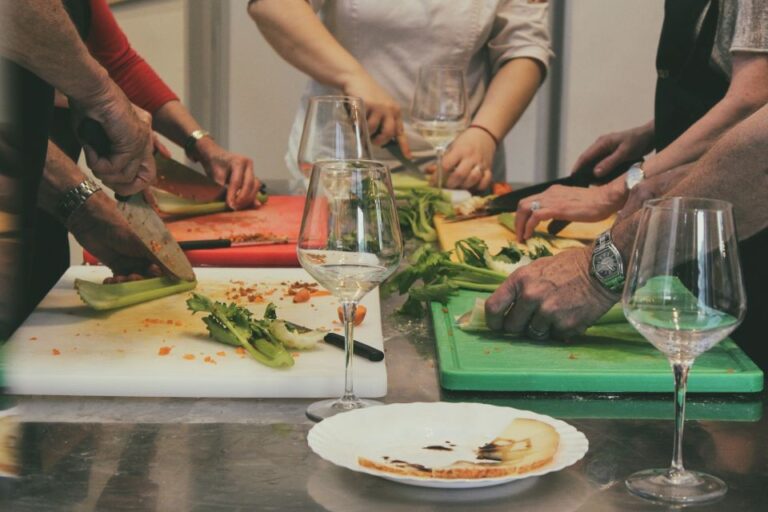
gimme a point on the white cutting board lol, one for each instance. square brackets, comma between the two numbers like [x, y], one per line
[65, 348]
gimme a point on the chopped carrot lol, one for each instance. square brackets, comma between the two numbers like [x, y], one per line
[302, 295]
[33, 338]
[55, 352]
[209, 360]
[320, 293]
[360, 312]
[240, 351]
[189, 357]
[221, 354]
[164, 351]
[501, 188]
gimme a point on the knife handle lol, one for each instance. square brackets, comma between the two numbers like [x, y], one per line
[193, 245]
[360, 349]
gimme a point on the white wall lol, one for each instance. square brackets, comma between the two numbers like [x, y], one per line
[609, 71]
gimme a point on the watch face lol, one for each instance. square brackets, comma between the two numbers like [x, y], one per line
[605, 264]
[634, 176]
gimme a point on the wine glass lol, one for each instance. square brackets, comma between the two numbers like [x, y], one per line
[440, 111]
[349, 242]
[335, 128]
[684, 293]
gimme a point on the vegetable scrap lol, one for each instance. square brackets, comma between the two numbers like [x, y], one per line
[164, 351]
[360, 312]
[189, 357]
[55, 352]
[209, 360]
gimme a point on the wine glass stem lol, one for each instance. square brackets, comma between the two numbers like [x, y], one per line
[439, 166]
[681, 383]
[348, 308]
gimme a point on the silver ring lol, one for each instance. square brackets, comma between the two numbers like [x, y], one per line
[537, 334]
[535, 205]
[477, 168]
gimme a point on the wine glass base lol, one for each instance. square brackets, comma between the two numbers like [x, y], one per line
[324, 409]
[682, 487]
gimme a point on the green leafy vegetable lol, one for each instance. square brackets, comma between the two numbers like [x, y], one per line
[112, 296]
[234, 325]
[417, 208]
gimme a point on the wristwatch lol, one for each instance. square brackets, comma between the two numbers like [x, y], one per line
[635, 175]
[607, 266]
[76, 197]
[190, 144]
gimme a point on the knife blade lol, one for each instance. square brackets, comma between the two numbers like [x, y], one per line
[337, 340]
[582, 177]
[140, 216]
[183, 181]
[409, 167]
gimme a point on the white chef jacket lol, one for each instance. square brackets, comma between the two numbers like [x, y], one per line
[392, 38]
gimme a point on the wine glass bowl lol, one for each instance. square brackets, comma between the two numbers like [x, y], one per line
[335, 128]
[440, 111]
[684, 293]
[350, 242]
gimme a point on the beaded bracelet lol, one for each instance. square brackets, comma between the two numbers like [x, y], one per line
[486, 130]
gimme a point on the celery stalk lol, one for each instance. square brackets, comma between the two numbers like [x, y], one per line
[112, 296]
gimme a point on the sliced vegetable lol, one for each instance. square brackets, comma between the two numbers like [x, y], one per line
[175, 205]
[360, 312]
[294, 336]
[112, 296]
[417, 208]
[233, 325]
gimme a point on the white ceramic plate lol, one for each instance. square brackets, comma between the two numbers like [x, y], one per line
[402, 430]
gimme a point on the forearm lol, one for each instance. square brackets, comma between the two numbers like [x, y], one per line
[175, 122]
[38, 35]
[59, 175]
[296, 33]
[509, 93]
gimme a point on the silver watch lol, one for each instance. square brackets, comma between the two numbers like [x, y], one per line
[634, 176]
[607, 266]
[76, 197]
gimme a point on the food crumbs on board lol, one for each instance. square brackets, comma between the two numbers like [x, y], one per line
[209, 360]
[177, 323]
[295, 355]
[221, 354]
[487, 352]
[189, 357]
[33, 338]
[240, 351]
[572, 356]
[444, 310]
[164, 351]
[77, 334]
[729, 370]
[319, 293]
[55, 352]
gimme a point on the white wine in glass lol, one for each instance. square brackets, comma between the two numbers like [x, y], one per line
[335, 128]
[684, 294]
[440, 111]
[349, 242]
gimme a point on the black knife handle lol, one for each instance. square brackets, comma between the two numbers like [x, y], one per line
[360, 349]
[193, 245]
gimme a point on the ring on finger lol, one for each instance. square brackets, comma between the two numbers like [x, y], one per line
[535, 205]
[477, 168]
[538, 334]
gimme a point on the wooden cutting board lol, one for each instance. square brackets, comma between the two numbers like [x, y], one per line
[497, 236]
[65, 348]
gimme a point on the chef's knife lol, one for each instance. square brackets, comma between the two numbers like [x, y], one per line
[183, 181]
[140, 216]
[337, 340]
[222, 243]
[393, 148]
[582, 177]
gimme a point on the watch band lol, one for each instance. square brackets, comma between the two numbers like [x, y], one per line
[75, 197]
[191, 142]
[607, 265]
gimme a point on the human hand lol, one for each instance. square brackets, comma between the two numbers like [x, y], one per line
[651, 188]
[385, 120]
[230, 169]
[569, 203]
[467, 162]
[552, 297]
[100, 228]
[612, 149]
[129, 166]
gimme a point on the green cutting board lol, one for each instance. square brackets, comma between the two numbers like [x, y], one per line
[608, 358]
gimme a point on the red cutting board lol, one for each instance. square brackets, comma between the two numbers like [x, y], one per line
[281, 217]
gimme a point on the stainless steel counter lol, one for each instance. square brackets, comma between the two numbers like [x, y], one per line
[115, 454]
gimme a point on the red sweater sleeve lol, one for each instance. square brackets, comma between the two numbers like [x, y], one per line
[108, 45]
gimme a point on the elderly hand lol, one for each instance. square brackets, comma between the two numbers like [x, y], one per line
[385, 119]
[230, 169]
[614, 148]
[569, 203]
[100, 228]
[553, 297]
[467, 162]
[129, 167]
